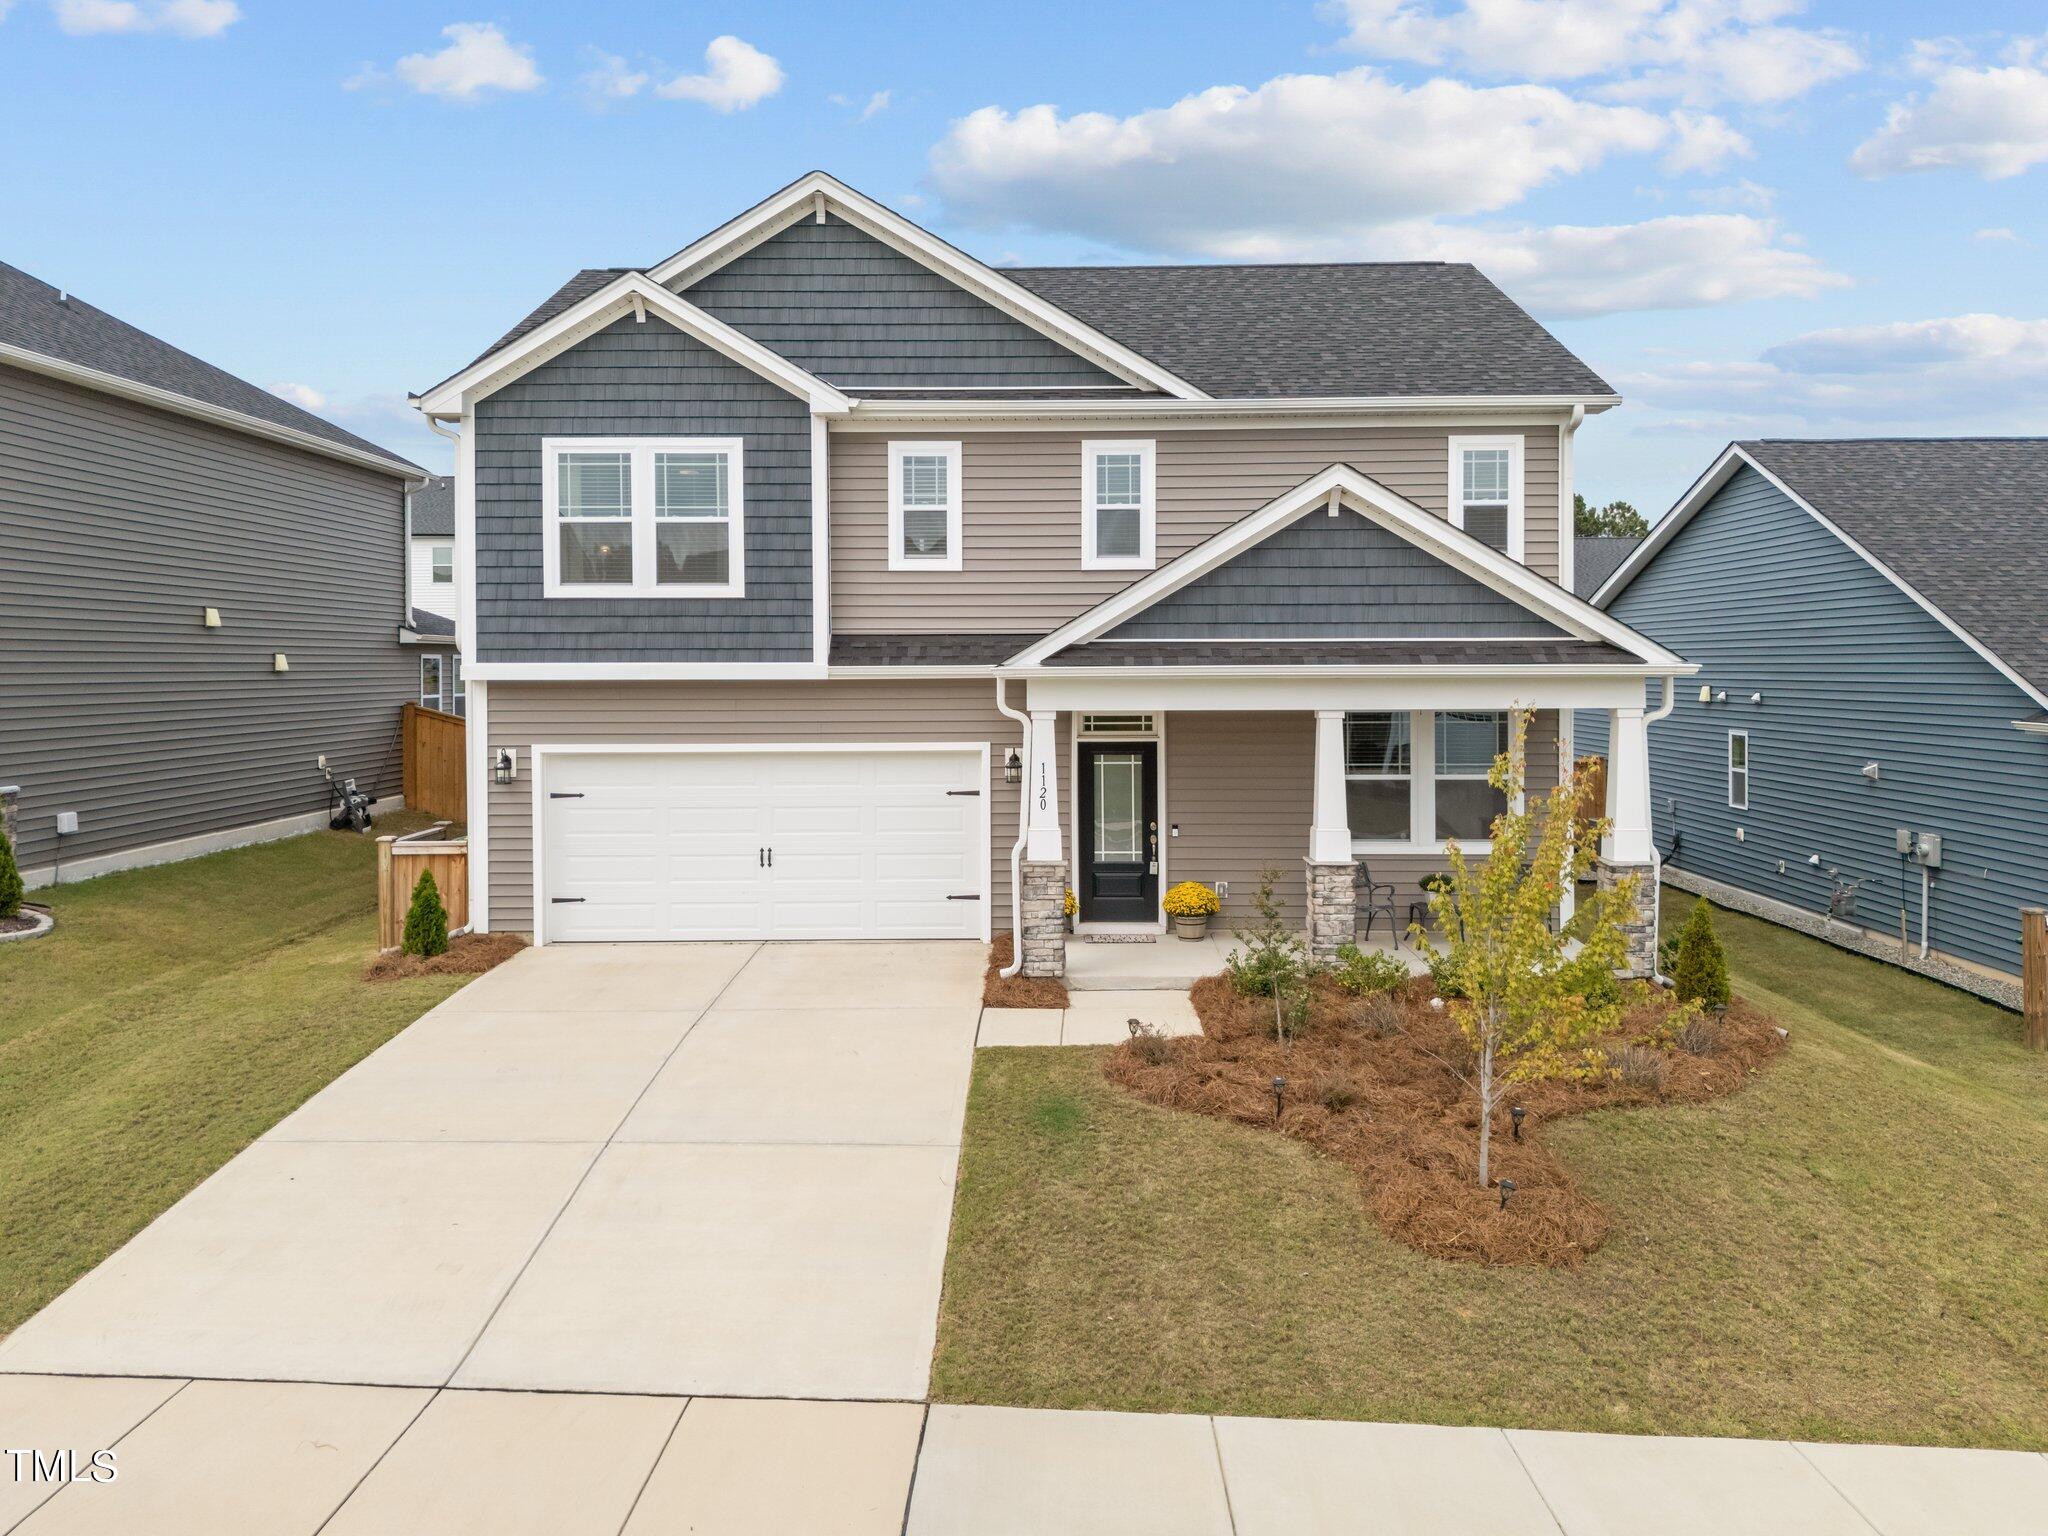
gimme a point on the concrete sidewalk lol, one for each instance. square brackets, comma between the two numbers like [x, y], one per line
[234, 1458]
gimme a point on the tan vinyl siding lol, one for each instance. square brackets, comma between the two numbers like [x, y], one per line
[522, 714]
[1021, 515]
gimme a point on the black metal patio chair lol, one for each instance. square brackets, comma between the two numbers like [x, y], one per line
[1375, 896]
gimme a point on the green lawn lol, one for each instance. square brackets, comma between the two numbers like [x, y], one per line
[1854, 1247]
[175, 1014]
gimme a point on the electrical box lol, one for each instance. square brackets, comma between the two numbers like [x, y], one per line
[67, 823]
[1903, 840]
[1929, 850]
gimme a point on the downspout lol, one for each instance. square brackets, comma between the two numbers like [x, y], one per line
[1023, 831]
[1656, 858]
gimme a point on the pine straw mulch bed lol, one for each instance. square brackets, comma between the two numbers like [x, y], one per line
[1017, 991]
[468, 954]
[1378, 1083]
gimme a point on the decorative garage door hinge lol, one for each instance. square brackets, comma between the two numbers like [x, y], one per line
[565, 794]
[565, 901]
[963, 792]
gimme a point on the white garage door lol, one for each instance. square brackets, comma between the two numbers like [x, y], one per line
[827, 844]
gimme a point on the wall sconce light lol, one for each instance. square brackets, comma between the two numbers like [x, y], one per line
[1706, 694]
[209, 618]
[505, 766]
[279, 662]
[1013, 766]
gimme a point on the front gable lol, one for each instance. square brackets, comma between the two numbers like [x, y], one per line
[1337, 577]
[860, 314]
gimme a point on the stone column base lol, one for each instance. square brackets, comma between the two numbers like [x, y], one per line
[1043, 943]
[1332, 908]
[1639, 926]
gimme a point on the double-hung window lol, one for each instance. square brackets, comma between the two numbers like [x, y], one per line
[441, 564]
[1118, 511]
[441, 683]
[1467, 742]
[1486, 491]
[643, 517]
[1738, 770]
[1417, 779]
[924, 506]
[1379, 776]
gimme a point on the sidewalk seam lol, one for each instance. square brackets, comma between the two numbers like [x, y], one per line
[1834, 1487]
[1222, 1476]
[667, 1440]
[356, 1487]
[1549, 1509]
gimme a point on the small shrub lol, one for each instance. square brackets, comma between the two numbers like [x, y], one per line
[1269, 958]
[426, 920]
[1444, 971]
[1150, 1044]
[1364, 974]
[1639, 1066]
[1380, 1015]
[1700, 973]
[1068, 905]
[11, 887]
[1699, 1036]
[1191, 898]
[1335, 1092]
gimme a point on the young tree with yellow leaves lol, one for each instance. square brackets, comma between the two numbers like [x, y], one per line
[1532, 997]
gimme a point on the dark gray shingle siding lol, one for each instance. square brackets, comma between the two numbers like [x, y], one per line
[1961, 519]
[73, 331]
[853, 311]
[1332, 577]
[1852, 671]
[119, 525]
[643, 379]
[1388, 328]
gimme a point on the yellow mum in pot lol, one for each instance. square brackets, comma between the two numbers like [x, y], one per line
[1191, 898]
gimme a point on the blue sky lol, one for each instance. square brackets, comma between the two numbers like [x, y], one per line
[1753, 217]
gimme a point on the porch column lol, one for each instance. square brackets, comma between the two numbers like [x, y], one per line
[1627, 851]
[1043, 943]
[1332, 872]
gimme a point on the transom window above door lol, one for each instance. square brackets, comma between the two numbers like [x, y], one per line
[643, 517]
[1118, 511]
[924, 506]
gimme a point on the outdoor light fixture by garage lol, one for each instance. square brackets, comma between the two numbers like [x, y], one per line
[505, 766]
[1013, 766]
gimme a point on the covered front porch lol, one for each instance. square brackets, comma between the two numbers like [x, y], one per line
[1347, 787]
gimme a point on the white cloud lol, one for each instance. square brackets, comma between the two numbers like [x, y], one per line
[1703, 143]
[2000, 234]
[477, 59]
[610, 78]
[738, 75]
[305, 396]
[1300, 160]
[1985, 369]
[1742, 193]
[877, 103]
[1990, 119]
[1692, 50]
[179, 18]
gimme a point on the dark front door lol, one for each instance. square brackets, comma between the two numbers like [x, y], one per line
[1119, 832]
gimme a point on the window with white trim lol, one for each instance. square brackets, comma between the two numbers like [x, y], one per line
[441, 564]
[1486, 491]
[924, 506]
[643, 517]
[441, 683]
[1379, 775]
[1738, 770]
[1118, 505]
[1467, 743]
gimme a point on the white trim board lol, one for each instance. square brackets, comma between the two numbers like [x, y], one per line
[1718, 474]
[540, 752]
[641, 671]
[812, 194]
[1341, 487]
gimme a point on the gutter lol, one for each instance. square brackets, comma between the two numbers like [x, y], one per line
[1286, 405]
[1023, 831]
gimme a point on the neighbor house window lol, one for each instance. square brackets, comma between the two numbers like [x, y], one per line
[924, 506]
[430, 682]
[1738, 770]
[1486, 490]
[1467, 742]
[454, 699]
[1117, 506]
[1379, 775]
[441, 562]
[643, 517]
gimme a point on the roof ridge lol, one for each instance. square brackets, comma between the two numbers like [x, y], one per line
[1220, 266]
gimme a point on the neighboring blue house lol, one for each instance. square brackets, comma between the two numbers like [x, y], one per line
[1871, 622]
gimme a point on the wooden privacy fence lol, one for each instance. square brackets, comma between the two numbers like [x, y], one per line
[2034, 976]
[1592, 780]
[400, 862]
[435, 780]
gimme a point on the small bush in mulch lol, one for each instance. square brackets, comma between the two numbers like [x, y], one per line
[12, 887]
[1382, 1084]
[1020, 991]
[467, 954]
[426, 921]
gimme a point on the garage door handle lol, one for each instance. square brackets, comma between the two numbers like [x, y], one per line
[565, 794]
[564, 901]
[963, 792]
[975, 897]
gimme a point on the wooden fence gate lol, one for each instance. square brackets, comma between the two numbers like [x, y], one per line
[436, 780]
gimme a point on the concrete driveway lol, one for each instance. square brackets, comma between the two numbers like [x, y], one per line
[681, 1169]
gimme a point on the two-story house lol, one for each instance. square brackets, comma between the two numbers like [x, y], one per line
[430, 592]
[820, 581]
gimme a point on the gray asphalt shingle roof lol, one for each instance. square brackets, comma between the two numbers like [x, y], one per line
[425, 623]
[41, 319]
[1962, 520]
[433, 509]
[1596, 559]
[1257, 332]
[1346, 653]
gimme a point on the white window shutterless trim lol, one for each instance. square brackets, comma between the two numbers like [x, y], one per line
[642, 515]
[900, 557]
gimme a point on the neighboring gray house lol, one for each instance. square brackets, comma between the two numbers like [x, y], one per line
[430, 592]
[1597, 557]
[201, 593]
[1871, 623]
[821, 581]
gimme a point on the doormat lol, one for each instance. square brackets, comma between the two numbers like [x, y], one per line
[1119, 938]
